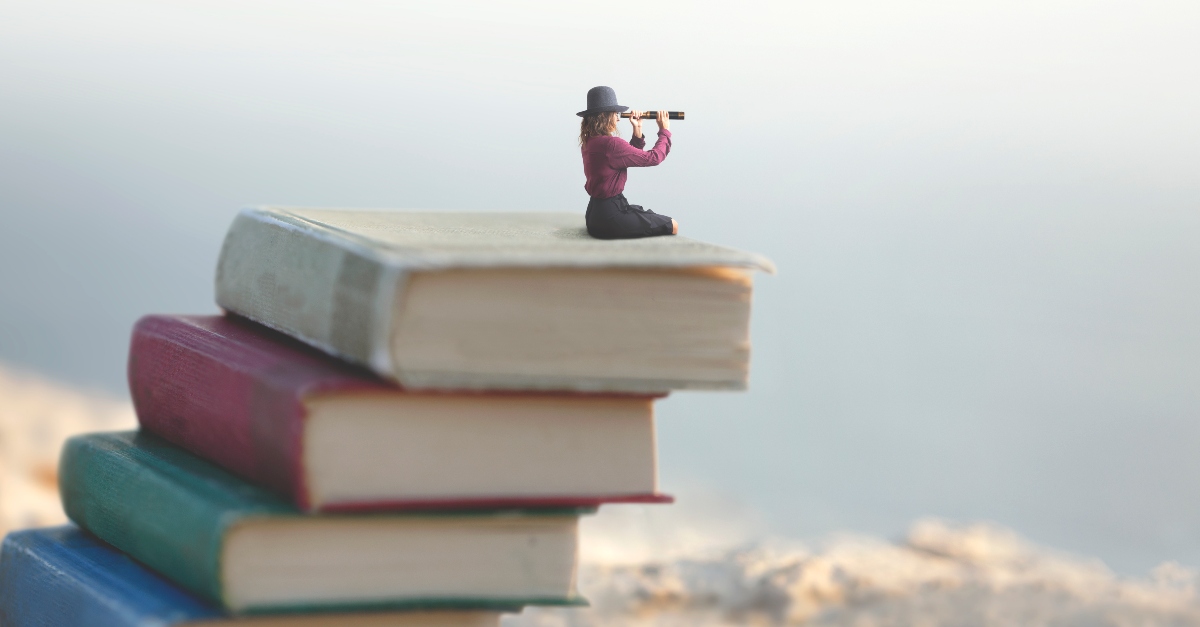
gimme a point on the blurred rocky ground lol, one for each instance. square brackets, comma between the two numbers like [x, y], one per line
[938, 575]
[36, 416]
[678, 567]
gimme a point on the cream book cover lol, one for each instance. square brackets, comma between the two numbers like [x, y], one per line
[517, 301]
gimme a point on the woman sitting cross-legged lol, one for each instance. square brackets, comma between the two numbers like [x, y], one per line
[606, 159]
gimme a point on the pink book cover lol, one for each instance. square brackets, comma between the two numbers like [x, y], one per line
[232, 392]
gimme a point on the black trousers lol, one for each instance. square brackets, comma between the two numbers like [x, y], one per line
[615, 218]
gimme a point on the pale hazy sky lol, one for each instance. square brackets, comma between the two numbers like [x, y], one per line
[986, 217]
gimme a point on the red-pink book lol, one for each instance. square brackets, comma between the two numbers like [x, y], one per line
[334, 437]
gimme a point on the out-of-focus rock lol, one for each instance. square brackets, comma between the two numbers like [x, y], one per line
[940, 574]
[36, 416]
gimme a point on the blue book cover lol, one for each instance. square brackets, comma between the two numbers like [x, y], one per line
[62, 576]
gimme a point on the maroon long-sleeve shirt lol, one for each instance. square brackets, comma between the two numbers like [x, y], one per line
[606, 159]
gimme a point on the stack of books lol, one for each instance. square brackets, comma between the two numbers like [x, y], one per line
[398, 421]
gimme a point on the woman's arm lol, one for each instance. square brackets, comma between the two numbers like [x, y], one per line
[623, 155]
[635, 120]
[638, 140]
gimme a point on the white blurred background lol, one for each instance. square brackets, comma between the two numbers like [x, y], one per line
[986, 217]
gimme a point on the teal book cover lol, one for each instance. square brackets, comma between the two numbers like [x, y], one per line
[250, 551]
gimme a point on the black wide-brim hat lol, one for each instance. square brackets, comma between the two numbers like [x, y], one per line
[600, 100]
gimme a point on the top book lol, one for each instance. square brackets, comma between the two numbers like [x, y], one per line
[518, 301]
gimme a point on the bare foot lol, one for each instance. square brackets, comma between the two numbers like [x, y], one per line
[674, 227]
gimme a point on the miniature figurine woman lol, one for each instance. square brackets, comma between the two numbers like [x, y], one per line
[606, 158]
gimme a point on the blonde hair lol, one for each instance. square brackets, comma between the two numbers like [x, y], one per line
[596, 125]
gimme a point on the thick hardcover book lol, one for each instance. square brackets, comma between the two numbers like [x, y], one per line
[522, 301]
[250, 551]
[61, 576]
[333, 437]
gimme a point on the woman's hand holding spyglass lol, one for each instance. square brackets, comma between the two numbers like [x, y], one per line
[635, 120]
[662, 119]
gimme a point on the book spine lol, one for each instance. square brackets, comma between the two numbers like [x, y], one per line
[158, 515]
[195, 391]
[59, 576]
[297, 279]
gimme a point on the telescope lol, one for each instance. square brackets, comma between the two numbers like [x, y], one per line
[649, 115]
